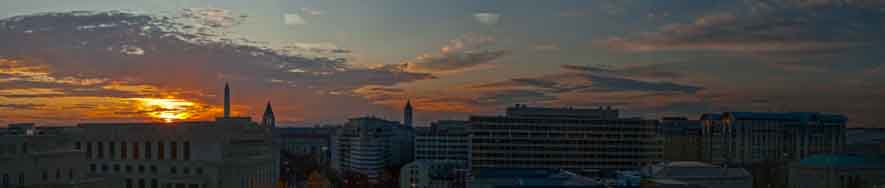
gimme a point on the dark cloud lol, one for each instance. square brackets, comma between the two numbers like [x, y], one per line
[651, 72]
[782, 30]
[508, 97]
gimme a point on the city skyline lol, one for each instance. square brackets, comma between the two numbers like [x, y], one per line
[63, 63]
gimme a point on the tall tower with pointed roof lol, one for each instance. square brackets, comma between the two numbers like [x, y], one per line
[226, 101]
[407, 114]
[268, 120]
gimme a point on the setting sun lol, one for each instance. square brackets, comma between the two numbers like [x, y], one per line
[168, 110]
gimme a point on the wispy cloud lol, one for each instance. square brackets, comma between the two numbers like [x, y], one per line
[464, 53]
[487, 18]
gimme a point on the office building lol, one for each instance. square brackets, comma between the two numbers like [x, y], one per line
[579, 140]
[681, 139]
[443, 140]
[434, 174]
[754, 137]
[43, 157]
[368, 145]
[697, 173]
[228, 152]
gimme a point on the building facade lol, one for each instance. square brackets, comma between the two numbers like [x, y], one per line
[563, 138]
[681, 139]
[369, 145]
[229, 152]
[43, 157]
[754, 137]
[434, 174]
[443, 140]
[306, 141]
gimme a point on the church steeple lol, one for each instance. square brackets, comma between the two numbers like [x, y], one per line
[407, 114]
[226, 100]
[268, 120]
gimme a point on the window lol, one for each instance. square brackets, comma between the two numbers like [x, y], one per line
[70, 173]
[100, 150]
[147, 150]
[88, 150]
[161, 151]
[128, 183]
[200, 171]
[112, 150]
[141, 183]
[140, 168]
[135, 153]
[153, 169]
[173, 170]
[45, 175]
[128, 168]
[124, 150]
[21, 178]
[173, 147]
[57, 173]
[77, 146]
[116, 167]
[187, 150]
[186, 170]
[92, 167]
[154, 183]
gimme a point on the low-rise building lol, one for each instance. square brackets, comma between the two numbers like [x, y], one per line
[698, 173]
[306, 141]
[527, 177]
[838, 171]
[434, 174]
[43, 157]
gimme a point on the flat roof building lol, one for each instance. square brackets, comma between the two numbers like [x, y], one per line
[562, 138]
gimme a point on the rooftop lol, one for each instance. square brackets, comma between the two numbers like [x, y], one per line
[843, 161]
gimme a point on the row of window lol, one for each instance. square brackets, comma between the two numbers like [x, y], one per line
[136, 150]
[142, 183]
[561, 141]
[13, 149]
[117, 168]
[57, 174]
[564, 156]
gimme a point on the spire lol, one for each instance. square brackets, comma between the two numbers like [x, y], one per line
[407, 114]
[268, 120]
[226, 100]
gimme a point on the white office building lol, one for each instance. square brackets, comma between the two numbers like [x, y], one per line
[368, 145]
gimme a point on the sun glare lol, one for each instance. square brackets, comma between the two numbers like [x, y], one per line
[168, 110]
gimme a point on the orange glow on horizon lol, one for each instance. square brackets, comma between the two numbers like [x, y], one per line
[168, 110]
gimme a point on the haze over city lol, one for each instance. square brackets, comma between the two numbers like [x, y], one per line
[68, 62]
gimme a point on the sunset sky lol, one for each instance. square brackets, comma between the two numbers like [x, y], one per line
[322, 61]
